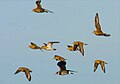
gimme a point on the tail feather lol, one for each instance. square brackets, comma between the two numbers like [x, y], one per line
[49, 11]
[73, 71]
[106, 34]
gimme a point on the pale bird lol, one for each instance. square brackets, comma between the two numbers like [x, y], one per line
[34, 46]
[98, 30]
[39, 8]
[79, 46]
[26, 71]
[57, 57]
[63, 70]
[102, 63]
[48, 46]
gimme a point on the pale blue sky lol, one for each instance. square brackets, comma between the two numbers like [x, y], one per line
[72, 20]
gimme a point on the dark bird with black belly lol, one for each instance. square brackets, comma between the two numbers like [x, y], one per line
[63, 70]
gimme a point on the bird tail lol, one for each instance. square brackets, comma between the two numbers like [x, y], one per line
[73, 71]
[85, 44]
[106, 35]
[105, 62]
[49, 11]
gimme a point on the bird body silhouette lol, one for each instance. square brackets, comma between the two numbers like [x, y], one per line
[26, 71]
[39, 8]
[34, 46]
[102, 63]
[48, 46]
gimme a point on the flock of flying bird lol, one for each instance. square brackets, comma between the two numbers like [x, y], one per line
[77, 46]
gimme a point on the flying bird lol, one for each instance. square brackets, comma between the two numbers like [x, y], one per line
[39, 8]
[98, 30]
[57, 57]
[48, 46]
[79, 46]
[63, 70]
[34, 46]
[102, 63]
[26, 71]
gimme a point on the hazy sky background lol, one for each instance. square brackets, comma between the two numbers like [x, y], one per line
[72, 20]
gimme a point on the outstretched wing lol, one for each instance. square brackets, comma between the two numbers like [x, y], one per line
[76, 44]
[61, 65]
[81, 49]
[51, 43]
[97, 24]
[69, 46]
[103, 66]
[95, 66]
[17, 71]
[28, 76]
[57, 57]
[38, 4]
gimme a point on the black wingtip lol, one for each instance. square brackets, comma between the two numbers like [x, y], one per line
[107, 35]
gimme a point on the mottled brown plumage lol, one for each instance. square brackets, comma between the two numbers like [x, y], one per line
[57, 57]
[102, 63]
[98, 30]
[26, 71]
[79, 46]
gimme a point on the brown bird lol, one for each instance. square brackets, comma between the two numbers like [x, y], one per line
[48, 46]
[102, 63]
[57, 57]
[26, 71]
[34, 46]
[98, 30]
[39, 8]
[79, 46]
[63, 70]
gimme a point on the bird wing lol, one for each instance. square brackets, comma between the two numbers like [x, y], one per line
[81, 49]
[17, 71]
[61, 65]
[38, 4]
[103, 66]
[28, 76]
[95, 66]
[69, 46]
[57, 57]
[51, 43]
[97, 24]
[75, 47]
